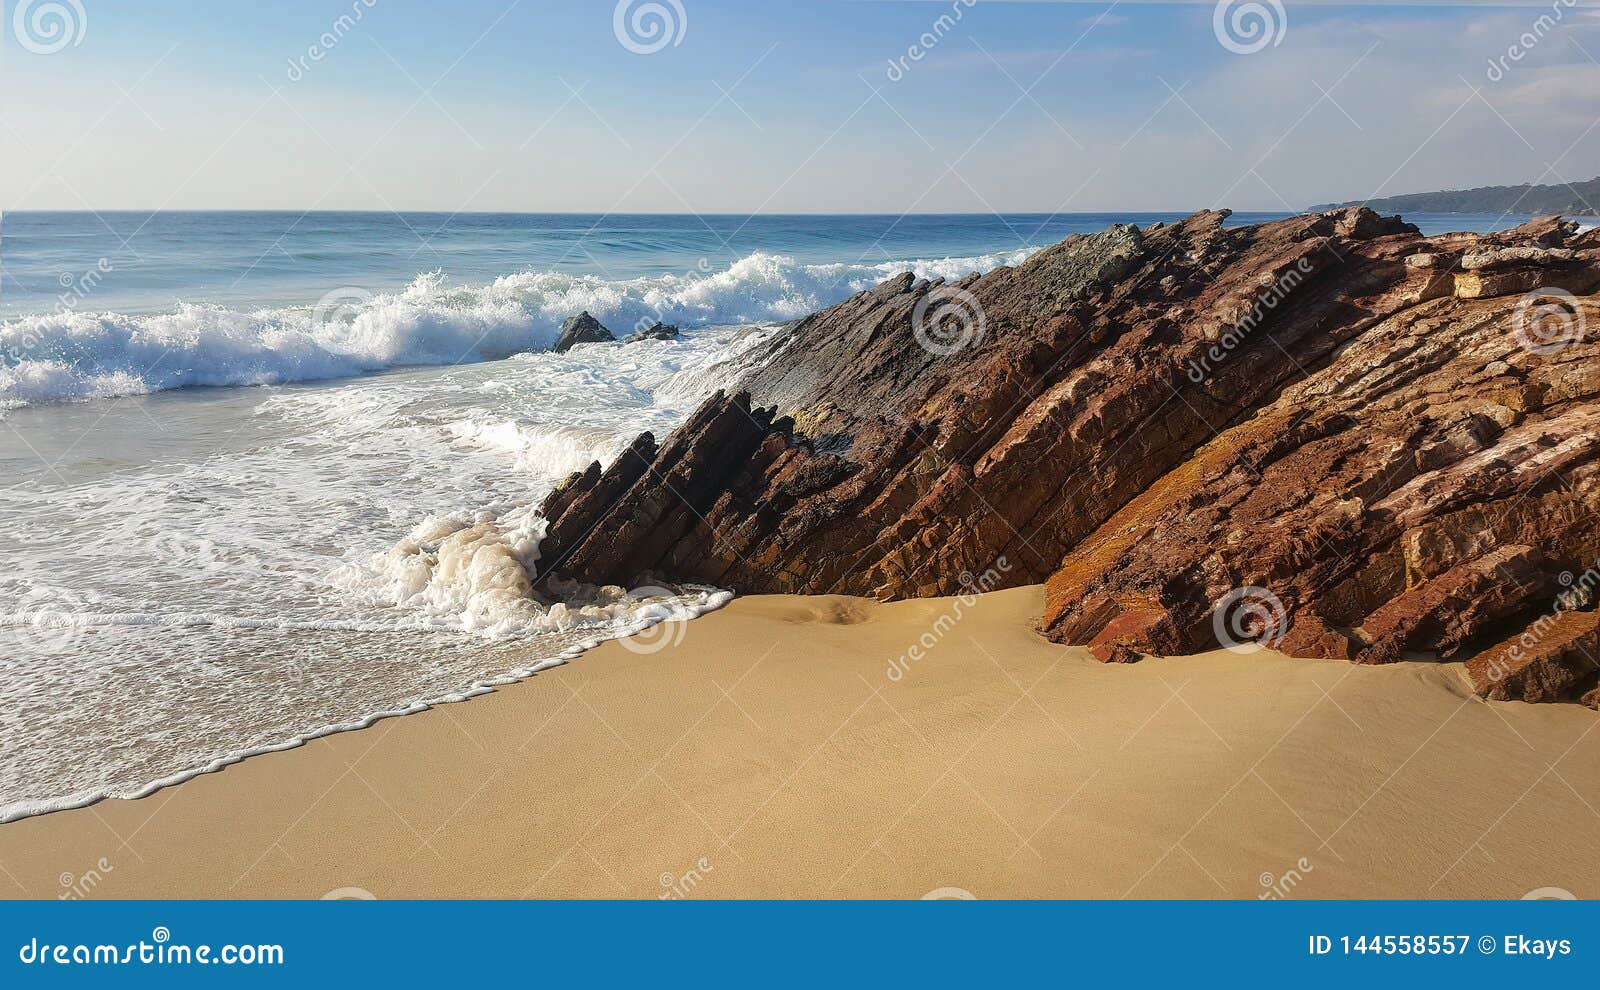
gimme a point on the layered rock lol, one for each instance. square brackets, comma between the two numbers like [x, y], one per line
[1380, 442]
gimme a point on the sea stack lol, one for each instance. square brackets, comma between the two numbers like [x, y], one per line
[581, 329]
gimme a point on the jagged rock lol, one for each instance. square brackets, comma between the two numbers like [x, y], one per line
[1312, 638]
[1147, 420]
[1544, 662]
[658, 332]
[581, 329]
[1121, 639]
[1444, 613]
[607, 529]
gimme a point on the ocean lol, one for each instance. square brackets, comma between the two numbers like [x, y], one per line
[266, 476]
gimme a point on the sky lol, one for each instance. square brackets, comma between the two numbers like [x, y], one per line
[844, 106]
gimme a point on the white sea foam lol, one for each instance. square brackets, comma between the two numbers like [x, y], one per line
[629, 615]
[226, 573]
[72, 355]
[309, 560]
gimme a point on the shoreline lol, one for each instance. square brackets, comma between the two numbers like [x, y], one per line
[765, 751]
[86, 799]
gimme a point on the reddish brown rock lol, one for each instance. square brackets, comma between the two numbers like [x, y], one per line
[1544, 662]
[1312, 638]
[1444, 613]
[1127, 637]
[1395, 446]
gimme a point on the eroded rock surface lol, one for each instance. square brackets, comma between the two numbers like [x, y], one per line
[1394, 437]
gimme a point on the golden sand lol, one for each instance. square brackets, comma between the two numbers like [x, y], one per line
[771, 753]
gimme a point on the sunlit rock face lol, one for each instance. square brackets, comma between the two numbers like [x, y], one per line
[1375, 446]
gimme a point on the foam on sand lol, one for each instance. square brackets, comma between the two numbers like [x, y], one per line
[225, 572]
[351, 552]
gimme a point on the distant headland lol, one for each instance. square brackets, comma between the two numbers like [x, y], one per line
[1565, 199]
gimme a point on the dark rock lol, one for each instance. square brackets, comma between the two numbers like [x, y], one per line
[658, 332]
[581, 329]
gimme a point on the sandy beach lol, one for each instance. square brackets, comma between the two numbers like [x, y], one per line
[766, 751]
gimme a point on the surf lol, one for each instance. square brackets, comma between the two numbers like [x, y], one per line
[74, 354]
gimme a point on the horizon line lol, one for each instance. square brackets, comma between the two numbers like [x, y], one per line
[1148, 211]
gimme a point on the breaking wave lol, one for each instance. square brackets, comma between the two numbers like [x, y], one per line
[69, 355]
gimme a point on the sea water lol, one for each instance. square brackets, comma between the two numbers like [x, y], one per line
[265, 476]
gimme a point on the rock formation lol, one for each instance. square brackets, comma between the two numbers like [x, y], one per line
[658, 332]
[581, 329]
[1328, 433]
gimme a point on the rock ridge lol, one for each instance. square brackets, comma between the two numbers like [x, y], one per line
[1389, 443]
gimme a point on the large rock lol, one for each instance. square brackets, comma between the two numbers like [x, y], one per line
[1387, 454]
[581, 329]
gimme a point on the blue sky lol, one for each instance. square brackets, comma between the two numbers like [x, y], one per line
[783, 107]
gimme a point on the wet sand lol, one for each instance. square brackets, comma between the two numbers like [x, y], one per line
[766, 751]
